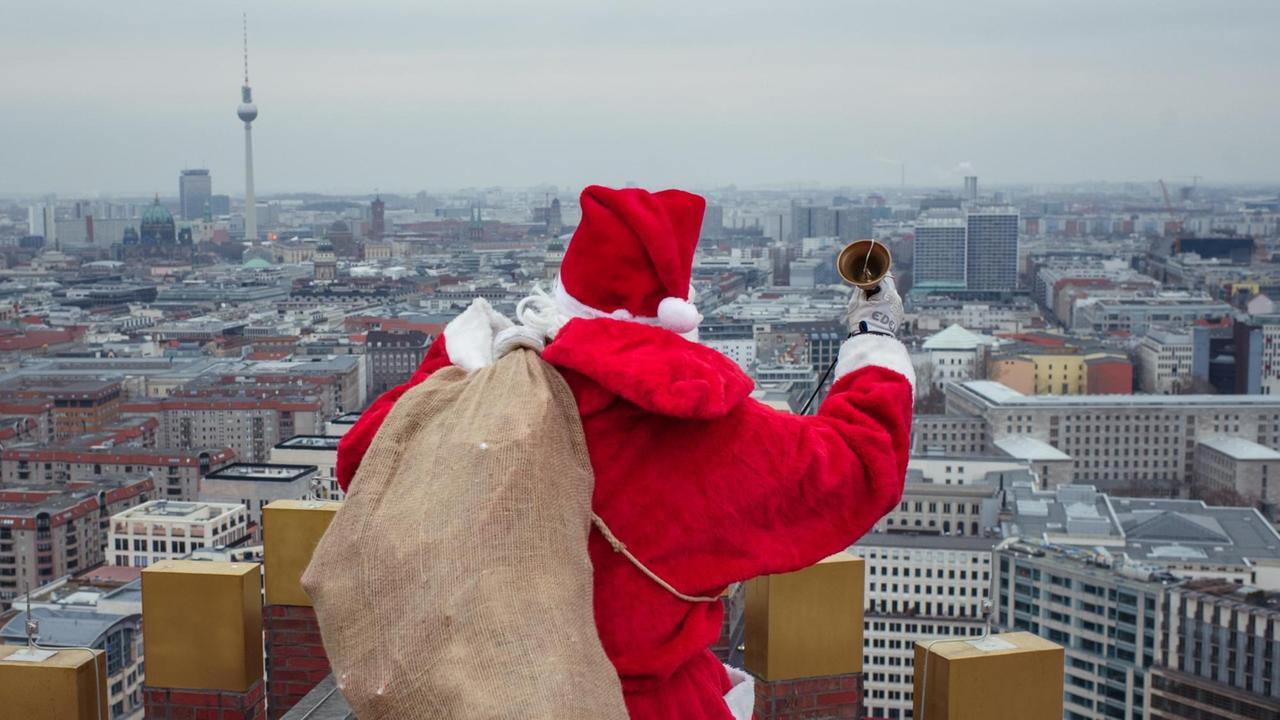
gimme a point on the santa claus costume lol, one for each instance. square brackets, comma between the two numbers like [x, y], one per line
[704, 485]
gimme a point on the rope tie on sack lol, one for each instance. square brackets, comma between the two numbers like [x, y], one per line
[620, 547]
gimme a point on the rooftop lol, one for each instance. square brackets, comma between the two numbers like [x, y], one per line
[1025, 447]
[65, 628]
[262, 472]
[957, 338]
[1239, 448]
[173, 510]
[996, 394]
[310, 442]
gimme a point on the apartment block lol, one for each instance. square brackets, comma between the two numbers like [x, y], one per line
[248, 426]
[47, 531]
[176, 473]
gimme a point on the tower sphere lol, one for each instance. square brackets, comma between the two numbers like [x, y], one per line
[248, 112]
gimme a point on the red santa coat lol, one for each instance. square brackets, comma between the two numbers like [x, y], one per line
[706, 486]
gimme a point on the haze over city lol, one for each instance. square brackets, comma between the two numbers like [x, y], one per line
[407, 95]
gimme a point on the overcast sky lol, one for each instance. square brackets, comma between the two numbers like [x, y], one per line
[402, 95]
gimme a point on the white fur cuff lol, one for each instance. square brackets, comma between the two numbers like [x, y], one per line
[741, 698]
[866, 350]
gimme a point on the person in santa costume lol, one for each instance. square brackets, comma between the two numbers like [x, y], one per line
[704, 485]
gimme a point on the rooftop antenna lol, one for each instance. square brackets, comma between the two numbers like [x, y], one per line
[32, 653]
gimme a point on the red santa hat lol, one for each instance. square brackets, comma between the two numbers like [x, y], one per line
[631, 257]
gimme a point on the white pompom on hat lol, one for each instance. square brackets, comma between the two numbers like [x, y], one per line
[631, 257]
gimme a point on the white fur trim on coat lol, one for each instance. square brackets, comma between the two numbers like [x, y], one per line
[741, 698]
[865, 350]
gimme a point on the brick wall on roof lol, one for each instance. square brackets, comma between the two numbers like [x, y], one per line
[296, 660]
[832, 697]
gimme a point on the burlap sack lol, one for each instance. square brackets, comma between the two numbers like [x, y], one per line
[455, 582]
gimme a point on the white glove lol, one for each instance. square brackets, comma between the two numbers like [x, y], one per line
[517, 336]
[880, 313]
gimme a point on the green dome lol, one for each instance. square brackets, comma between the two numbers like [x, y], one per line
[156, 214]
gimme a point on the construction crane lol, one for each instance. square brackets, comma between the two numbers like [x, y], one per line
[1175, 223]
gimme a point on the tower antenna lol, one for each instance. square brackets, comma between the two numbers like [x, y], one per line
[244, 19]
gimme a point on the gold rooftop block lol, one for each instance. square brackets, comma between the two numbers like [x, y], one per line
[60, 688]
[806, 623]
[290, 531]
[1011, 676]
[202, 624]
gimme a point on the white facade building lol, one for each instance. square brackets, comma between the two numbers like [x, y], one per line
[917, 588]
[318, 450]
[167, 530]
[256, 485]
[1164, 361]
[955, 355]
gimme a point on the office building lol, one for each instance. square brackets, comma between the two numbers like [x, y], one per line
[318, 450]
[1164, 361]
[952, 355]
[917, 588]
[1220, 659]
[1243, 467]
[992, 251]
[195, 188]
[394, 356]
[1107, 621]
[940, 251]
[1117, 440]
[168, 530]
[255, 485]
[958, 435]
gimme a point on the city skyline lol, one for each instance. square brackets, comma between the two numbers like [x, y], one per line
[406, 98]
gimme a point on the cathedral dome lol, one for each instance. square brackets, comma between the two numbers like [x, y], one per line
[156, 214]
[156, 226]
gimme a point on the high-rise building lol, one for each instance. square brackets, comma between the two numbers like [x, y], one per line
[195, 187]
[41, 221]
[940, 250]
[992, 261]
[971, 188]
[248, 112]
[377, 218]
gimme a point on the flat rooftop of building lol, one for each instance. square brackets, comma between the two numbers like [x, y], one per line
[310, 442]
[1000, 395]
[1076, 510]
[1238, 448]
[1025, 447]
[177, 510]
[1165, 530]
[262, 472]
[346, 419]
[924, 540]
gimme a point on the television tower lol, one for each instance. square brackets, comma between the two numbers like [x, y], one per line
[248, 112]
